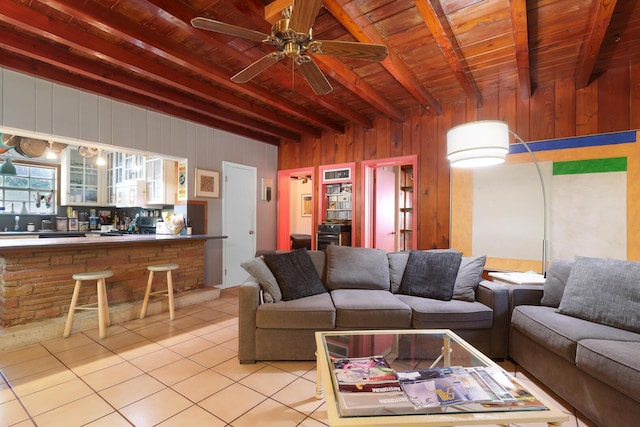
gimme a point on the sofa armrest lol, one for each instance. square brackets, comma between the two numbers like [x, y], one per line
[248, 302]
[524, 295]
[496, 297]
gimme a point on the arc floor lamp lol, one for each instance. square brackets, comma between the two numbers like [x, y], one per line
[485, 143]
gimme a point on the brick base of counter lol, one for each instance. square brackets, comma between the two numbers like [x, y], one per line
[36, 284]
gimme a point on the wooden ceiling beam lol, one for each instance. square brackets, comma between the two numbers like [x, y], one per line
[431, 11]
[278, 72]
[350, 80]
[50, 72]
[350, 16]
[62, 59]
[101, 17]
[602, 11]
[521, 37]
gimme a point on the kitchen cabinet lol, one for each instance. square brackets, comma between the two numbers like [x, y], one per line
[83, 183]
[126, 171]
[160, 176]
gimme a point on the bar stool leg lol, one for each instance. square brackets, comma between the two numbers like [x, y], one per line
[107, 317]
[145, 302]
[170, 294]
[72, 308]
[101, 308]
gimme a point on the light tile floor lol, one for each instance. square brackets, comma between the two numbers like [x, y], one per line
[154, 372]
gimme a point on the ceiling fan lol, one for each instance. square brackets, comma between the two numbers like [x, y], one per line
[292, 36]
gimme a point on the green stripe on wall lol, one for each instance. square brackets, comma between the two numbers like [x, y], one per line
[615, 164]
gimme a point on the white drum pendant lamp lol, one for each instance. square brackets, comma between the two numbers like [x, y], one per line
[476, 144]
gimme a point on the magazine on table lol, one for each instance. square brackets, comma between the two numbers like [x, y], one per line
[368, 382]
[433, 387]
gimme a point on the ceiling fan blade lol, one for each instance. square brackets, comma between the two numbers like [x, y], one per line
[370, 52]
[303, 14]
[257, 67]
[232, 30]
[313, 75]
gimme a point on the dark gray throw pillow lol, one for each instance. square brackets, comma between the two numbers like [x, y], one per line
[431, 274]
[605, 291]
[296, 275]
[555, 282]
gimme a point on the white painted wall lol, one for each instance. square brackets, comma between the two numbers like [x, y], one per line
[31, 106]
[300, 224]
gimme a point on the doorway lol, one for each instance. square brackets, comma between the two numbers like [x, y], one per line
[239, 205]
[389, 221]
[296, 213]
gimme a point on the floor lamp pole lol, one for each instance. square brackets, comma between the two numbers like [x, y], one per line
[544, 201]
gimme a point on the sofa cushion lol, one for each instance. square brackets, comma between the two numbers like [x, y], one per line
[312, 312]
[431, 274]
[604, 290]
[296, 274]
[468, 278]
[615, 363]
[369, 309]
[454, 314]
[555, 282]
[397, 264]
[357, 268]
[265, 278]
[559, 333]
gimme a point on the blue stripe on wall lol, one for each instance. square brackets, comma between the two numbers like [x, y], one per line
[576, 142]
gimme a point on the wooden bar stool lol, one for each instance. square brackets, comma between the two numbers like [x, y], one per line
[102, 305]
[168, 292]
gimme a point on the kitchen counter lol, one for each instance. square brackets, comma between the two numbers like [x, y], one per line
[36, 282]
[25, 240]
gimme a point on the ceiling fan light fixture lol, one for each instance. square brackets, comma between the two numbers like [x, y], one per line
[292, 49]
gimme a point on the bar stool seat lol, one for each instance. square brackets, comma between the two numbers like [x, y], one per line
[168, 292]
[102, 305]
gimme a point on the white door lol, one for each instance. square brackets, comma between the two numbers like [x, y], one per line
[239, 192]
[385, 210]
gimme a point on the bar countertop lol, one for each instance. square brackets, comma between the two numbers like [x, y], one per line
[18, 243]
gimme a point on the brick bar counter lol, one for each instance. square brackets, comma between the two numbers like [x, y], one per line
[35, 274]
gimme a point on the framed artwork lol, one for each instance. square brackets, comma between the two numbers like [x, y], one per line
[207, 183]
[306, 205]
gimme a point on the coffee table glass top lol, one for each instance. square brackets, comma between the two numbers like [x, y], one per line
[418, 374]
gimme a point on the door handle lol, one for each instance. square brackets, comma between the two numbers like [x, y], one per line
[252, 232]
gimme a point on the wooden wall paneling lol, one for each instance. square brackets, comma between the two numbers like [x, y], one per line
[348, 144]
[383, 138]
[395, 140]
[587, 110]
[613, 108]
[522, 124]
[369, 148]
[634, 97]
[358, 142]
[507, 110]
[542, 115]
[427, 197]
[289, 153]
[565, 109]
[327, 148]
[489, 109]
[444, 182]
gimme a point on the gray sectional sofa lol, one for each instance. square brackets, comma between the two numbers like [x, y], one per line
[580, 336]
[365, 289]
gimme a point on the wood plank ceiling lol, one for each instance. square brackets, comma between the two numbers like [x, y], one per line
[146, 52]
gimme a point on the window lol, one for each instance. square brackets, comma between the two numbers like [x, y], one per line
[34, 185]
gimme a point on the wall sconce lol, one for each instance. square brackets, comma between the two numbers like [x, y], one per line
[485, 143]
[267, 189]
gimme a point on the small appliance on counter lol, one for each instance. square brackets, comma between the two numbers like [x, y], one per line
[145, 224]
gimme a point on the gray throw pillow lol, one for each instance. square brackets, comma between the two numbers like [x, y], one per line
[468, 277]
[431, 274]
[397, 264]
[265, 278]
[555, 282]
[296, 275]
[605, 291]
[349, 267]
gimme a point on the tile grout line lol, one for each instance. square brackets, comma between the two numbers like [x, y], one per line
[6, 380]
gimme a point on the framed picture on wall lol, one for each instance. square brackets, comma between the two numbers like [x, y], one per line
[306, 205]
[207, 183]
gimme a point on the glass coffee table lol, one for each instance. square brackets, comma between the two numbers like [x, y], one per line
[419, 378]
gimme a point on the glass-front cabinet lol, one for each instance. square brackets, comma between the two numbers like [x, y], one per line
[125, 171]
[160, 176]
[82, 180]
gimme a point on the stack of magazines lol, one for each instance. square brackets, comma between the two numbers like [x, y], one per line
[370, 382]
